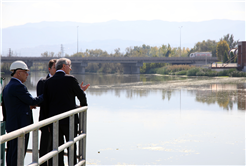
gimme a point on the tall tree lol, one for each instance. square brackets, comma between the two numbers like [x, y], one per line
[169, 50]
[117, 52]
[45, 54]
[206, 46]
[162, 51]
[222, 46]
[225, 58]
[230, 40]
[189, 52]
[128, 52]
[154, 51]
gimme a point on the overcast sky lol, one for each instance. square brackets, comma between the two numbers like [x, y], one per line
[21, 12]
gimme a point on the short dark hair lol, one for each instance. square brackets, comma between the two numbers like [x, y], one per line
[51, 63]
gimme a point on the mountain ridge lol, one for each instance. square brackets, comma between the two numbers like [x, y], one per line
[27, 39]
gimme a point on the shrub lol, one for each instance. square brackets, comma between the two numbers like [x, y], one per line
[152, 71]
[226, 72]
[192, 72]
[183, 72]
[223, 73]
[212, 73]
[171, 69]
[175, 68]
[232, 70]
[201, 73]
[162, 71]
[238, 74]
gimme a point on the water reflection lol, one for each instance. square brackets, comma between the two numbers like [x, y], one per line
[224, 98]
[31, 81]
[165, 120]
[225, 95]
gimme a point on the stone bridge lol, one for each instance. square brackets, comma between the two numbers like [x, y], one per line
[131, 65]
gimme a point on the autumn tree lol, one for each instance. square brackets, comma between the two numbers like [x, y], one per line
[154, 51]
[222, 46]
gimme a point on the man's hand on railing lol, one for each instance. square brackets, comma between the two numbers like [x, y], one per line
[84, 87]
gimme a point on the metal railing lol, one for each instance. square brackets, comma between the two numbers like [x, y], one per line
[20, 133]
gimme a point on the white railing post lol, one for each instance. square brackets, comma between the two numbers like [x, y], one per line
[71, 137]
[81, 138]
[55, 141]
[35, 146]
[84, 131]
[21, 150]
[80, 132]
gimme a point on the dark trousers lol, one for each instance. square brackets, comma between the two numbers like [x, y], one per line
[64, 131]
[11, 154]
[45, 144]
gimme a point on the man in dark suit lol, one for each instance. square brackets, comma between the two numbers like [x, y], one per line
[18, 102]
[59, 93]
[45, 140]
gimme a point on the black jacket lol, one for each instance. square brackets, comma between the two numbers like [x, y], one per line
[59, 95]
[40, 90]
[17, 100]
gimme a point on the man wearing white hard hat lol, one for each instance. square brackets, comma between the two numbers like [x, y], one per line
[17, 103]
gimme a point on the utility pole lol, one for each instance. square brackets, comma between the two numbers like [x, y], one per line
[9, 52]
[180, 41]
[62, 51]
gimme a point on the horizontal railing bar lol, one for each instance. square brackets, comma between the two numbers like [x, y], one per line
[33, 164]
[47, 156]
[81, 136]
[55, 152]
[30, 151]
[60, 148]
[80, 163]
[27, 129]
[65, 145]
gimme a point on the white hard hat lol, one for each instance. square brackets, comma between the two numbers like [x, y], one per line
[18, 65]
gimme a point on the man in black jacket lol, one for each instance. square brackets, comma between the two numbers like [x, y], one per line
[59, 96]
[45, 140]
[17, 107]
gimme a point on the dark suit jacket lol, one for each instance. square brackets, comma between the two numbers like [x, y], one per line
[17, 100]
[40, 90]
[59, 94]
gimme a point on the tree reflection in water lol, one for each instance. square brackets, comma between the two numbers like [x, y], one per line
[224, 94]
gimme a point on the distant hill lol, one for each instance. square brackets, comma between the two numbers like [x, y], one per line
[32, 39]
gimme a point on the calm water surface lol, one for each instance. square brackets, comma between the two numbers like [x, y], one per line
[161, 120]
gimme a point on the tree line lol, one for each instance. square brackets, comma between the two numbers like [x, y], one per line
[219, 49]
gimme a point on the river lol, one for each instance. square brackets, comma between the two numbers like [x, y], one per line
[161, 120]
